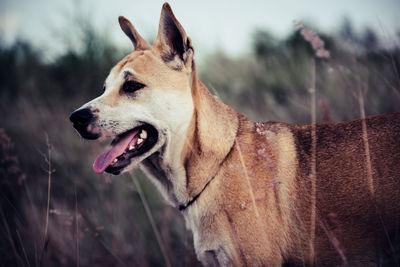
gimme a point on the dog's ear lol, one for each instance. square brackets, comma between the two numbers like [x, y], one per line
[138, 42]
[175, 46]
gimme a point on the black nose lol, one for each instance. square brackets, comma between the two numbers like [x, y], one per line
[81, 117]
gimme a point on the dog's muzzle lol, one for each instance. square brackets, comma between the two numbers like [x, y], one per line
[81, 119]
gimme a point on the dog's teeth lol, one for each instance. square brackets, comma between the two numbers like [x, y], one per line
[143, 134]
[139, 141]
[131, 147]
[115, 161]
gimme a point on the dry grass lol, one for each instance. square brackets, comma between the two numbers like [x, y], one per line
[151, 219]
[58, 206]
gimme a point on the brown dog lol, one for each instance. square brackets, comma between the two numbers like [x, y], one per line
[252, 194]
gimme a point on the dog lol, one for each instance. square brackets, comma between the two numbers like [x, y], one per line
[259, 194]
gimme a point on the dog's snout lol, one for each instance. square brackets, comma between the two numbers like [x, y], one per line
[81, 120]
[81, 116]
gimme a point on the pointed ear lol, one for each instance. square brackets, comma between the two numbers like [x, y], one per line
[138, 42]
[175, 46]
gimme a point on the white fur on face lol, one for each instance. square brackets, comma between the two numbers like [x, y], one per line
[169, 111]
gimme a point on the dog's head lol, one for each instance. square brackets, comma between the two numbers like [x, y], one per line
[147, 101]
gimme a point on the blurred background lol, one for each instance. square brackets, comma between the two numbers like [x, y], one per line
[55, 55]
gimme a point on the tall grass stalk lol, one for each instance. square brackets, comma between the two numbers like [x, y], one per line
[334, 240]
[10, 238]
[360, 97]
[313, 174]
[23, 248]
[47, 158]
[76, 226]
[253, 200]
[151, 219]
[36, 219]
[365, 140]
[101, 242]
[236, 239]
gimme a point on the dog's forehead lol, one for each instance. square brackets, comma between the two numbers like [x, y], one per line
[141, 62]
[148, 67]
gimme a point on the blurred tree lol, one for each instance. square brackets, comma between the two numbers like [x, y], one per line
[264, 44]
[20, 66]
[369, 40]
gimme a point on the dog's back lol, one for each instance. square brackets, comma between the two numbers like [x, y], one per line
[263, 195]
[357, 188]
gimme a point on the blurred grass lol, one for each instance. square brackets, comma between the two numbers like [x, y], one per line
[99, 219]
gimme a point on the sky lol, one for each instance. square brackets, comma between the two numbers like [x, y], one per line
[221, 24]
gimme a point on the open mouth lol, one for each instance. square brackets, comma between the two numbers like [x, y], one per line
[124, 148]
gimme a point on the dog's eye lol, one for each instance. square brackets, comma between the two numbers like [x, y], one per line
[104, 88]
[131, 86]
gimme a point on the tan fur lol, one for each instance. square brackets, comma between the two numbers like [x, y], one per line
[243, 187]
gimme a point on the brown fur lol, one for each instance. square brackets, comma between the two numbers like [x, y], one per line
[270, 223]
[244, 188]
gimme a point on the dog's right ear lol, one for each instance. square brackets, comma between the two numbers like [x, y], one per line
[138, 42]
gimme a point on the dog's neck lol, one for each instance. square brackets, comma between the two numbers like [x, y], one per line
[209, 138]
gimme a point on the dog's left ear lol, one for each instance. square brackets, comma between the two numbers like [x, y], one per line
[175, 46]
[138, 42]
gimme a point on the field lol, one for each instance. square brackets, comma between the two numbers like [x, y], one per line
[55, 211]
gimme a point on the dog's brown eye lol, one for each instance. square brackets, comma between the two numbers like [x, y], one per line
[131, 86]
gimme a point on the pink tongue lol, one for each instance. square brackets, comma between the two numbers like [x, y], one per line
[107, 157]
